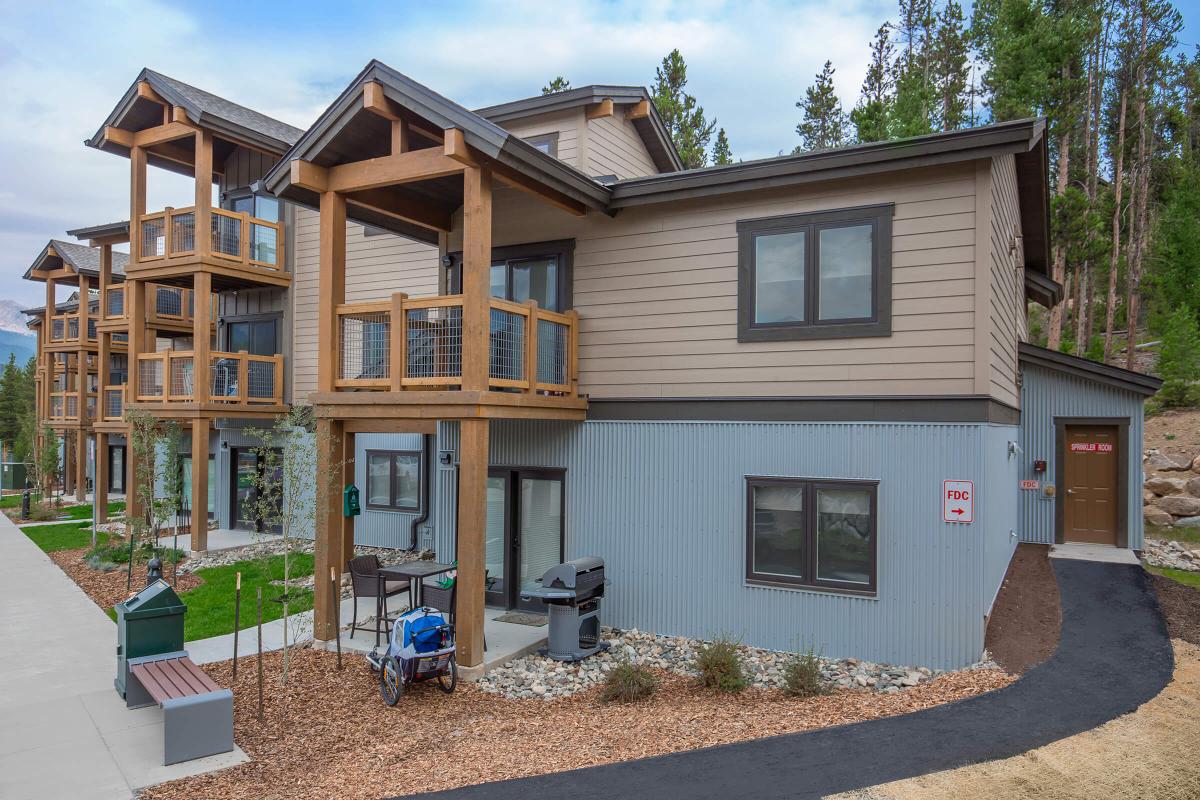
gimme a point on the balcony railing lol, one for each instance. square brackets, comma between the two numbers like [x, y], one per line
[530, 349]
[235, 236]
[64, 328]
[65, 405]
[233, 378]
[114, 403]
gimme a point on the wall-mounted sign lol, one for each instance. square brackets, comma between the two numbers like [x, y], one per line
[1091, 447]
[1028, 484]
[958, 501]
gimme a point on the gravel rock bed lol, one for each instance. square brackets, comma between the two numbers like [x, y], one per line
[272, 547]
[1171, 554]
[534, 676]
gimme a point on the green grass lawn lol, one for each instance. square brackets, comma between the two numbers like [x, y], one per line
[210, 607]
[14, 500]
[1176, 534]
[64, 536]
[1179, 576]
[85, 512]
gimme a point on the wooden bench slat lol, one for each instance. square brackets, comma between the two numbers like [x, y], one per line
[151, 681]
[172, 678]
[179, 687]
[185, 678]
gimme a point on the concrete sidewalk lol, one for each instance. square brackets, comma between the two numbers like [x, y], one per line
[65, 731]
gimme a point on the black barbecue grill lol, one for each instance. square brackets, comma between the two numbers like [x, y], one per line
[572, 592]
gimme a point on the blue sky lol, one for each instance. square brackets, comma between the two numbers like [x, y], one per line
[63, 66]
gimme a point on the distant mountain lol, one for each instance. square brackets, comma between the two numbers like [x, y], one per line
[15, 336]
[11, 318]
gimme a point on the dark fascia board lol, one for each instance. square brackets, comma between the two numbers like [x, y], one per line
[105, 231]
[652, 130]
[822, 165]
[1033, 189]
[934, 409]
[1107, 374]
[1046, 291]
[486, 137]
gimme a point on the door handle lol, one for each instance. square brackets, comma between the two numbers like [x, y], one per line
[1070, 491]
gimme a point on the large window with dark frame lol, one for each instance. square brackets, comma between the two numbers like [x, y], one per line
[812, 533]
[394, 480]
[821, 275]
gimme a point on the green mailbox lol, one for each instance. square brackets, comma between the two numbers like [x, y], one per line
[148, 624]
[350, 506]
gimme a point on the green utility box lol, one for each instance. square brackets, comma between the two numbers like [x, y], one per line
[148, 624]
[12, 476]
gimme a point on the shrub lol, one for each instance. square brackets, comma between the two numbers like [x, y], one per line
[802, 675]
[1179, 360]
[720, 665]
[628, 682]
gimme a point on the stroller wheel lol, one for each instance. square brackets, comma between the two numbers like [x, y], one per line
[391, 682]
[448, 680]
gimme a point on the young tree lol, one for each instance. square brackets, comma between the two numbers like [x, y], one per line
[46, 463]
[559, 84]
[871, 116]
[950, 66]
[148, 440]
[721, 153]
[680, 113]
[916, 95]
[824, 123]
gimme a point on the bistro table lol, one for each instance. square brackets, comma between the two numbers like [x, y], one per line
[415, 572]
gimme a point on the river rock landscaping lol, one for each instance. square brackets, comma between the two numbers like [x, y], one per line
[1171, 555]
[534, 676]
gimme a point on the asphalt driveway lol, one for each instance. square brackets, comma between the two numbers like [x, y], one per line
[1114, 654]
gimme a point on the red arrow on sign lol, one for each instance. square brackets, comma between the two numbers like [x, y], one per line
[956, 511]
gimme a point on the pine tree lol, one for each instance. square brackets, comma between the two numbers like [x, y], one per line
[680, 113]
[11, 379]
[912, 111]
[950, 66]
[721, 153]
[824, 123]
[559, 84]
[870, 116]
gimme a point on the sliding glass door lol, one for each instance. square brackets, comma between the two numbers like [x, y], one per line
[524, 534]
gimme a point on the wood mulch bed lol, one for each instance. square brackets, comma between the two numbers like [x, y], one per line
[1026, 618]
[1180, 607]
[328, 734]
[108, 588]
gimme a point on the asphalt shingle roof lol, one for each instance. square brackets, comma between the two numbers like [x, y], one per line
[208, 103]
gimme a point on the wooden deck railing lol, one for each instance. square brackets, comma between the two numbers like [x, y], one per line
[163, 304]
[64, 328]
[113, 407]
[64, 406]
[420, 342]
[233, 378]
[235, 236]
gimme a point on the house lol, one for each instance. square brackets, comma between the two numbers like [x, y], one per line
[789, 399]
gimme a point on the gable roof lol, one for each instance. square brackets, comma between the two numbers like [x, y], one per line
[65, 307]
[202, 108]
[79, 257]
[652, 130]
[1129, 380]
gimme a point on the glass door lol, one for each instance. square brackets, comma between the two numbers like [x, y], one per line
[245, 469]
[496, 539]
[116, 468]
[524, 533]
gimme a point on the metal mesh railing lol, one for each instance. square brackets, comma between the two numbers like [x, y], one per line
[91, 406]
[183, 232]
[56, 329]
[73, 328]
[552, 352]
[434, 338]
[91, 328]
[150, 377]
[153, 238]
[224, 379]
[260, 380]
[116, 303]
[56, 406]
[506, 353]
[72, 405]
[182, 383]
[264, 240]
[366, 346]
[168, 301]
[121, 337]
[114, 402]
[226, 235]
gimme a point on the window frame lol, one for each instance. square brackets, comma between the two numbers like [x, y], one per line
[548, 139]
[879, 323]
[561, 249]
[809, 581]
[392, 476]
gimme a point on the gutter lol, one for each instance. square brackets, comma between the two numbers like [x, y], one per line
[420, 519]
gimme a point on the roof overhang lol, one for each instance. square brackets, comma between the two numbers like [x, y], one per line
[649, 126]
[1040, 289]
[62, 261]
[1137, 382]
[98, 235]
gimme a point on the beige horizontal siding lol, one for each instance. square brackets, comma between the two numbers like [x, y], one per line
[1006, 290]
[614, 147]
[376, 266]
[569, 125]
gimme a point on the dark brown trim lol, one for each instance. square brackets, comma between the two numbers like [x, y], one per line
[1060, 473]
[879, 323]
[810, 580]
[510, 597]
[932, 409]
[392, 475]
[1042, 290]
[550, 139]
[562, 249]
[1107, 374]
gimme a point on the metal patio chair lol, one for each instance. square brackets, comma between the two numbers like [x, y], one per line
[366, 581]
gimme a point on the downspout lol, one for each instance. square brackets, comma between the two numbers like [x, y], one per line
[421, 518]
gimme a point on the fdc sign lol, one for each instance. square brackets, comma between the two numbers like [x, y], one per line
[958, 501]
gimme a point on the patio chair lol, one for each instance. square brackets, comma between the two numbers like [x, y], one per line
[443, 600]
[366, 582]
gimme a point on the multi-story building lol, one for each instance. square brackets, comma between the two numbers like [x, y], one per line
[788, 399]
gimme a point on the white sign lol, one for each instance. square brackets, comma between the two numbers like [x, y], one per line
[958, 501]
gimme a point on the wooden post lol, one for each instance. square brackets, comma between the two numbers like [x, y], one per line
[201, 338]
[204, 187]
[137, 202]
[81, 439]
[243, 377]
[101, 486]
[531, 343]
[327, 550]
[472, 523]
[331, 284]
[476, 277]
[573, 352]
[346, 454]
[199, 485]
[399, 341]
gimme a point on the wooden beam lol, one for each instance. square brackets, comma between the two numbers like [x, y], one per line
[179, 114]
[639, 110]
[602, 109]
[390, 426]
[118, 136]
[399, 137]
[410, 209]
[455, 146]
[164, 133]
[308, 175]
[199, 497]
[146, 92]
[373, 173]
[476, 276]
[201, 337]
[471, 549]
[331, 286]
[516, 180]
[137, 199]
[327, 544]
[375, 101]
[203, 196]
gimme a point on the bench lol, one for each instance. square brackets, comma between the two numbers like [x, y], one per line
[197, 714]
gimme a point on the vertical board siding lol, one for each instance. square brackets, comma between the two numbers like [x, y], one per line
[1007, 291]
[664, 504]
[614, 147]
[381, 528]
[1047, 394]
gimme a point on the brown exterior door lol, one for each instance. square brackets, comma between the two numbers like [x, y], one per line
[1090, 504]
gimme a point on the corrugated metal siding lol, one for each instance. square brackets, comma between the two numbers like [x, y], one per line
[381, 528]
[664, 504]
[1046, 394]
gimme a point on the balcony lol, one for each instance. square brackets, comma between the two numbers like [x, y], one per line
[64, 330]
[235, 380]
[237, 248]
[167, 307]
[114, 404]
[531, 350]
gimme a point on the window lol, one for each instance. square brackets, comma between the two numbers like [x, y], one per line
[547, 143]
[811, 533]
[539, 271]
[393, 480]
[823, 275]
[256, 337]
